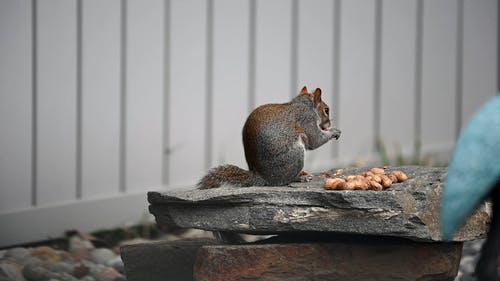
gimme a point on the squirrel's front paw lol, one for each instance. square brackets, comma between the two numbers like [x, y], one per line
[336, 133]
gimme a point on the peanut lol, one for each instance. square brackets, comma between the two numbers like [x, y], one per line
[350, 185]
[400, 176]
[362, 183]
[375, 185]
[335, 183]
[377, 178]
[350, 178]
[377, 171]
[386, 181]
[393, 178]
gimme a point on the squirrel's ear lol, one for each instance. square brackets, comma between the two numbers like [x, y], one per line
[317, 96]
[304, 91]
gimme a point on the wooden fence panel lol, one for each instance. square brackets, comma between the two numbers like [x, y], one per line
[187, 91]
[100, 101]
[230, 91]
[144, 95]
[273, 52]
[438, 74]
[355, 107]
[15, 105]
[397, 104]
[479, 66]
[56, 101]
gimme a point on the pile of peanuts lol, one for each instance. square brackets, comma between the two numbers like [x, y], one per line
[374, 179]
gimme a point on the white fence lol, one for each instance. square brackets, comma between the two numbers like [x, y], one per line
[101, 101]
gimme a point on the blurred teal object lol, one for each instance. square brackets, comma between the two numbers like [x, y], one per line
[474, 170]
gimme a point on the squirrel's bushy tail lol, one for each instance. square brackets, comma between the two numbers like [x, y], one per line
[230, 175]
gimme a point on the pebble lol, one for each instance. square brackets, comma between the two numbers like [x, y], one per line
[46, 254]
[470, 255]
[117, 263]
[35, 272]
[79, 248]
[17, 253]
[65, 267]
[11, 271]
[102, 256]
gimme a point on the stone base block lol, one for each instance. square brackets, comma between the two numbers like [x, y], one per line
[161, 261]
[367, 259]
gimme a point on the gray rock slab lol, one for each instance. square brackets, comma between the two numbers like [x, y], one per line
[407, 210]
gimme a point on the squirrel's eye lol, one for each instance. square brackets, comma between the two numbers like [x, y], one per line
[327, 111]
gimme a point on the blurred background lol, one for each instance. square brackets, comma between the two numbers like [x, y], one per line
[102, 101]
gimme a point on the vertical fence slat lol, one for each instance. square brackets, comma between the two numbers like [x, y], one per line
[479, 55]
[188, 51]
[56, 101]
[100, 97]
[230, 84]
[273, 52]
[144, 106]
[15, 105]
[398, 76]
[356, 79]
[438, 75]
[166, 93]
[315, 70]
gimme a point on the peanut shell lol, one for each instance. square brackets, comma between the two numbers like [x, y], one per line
[378, 171]
[402, 177]
[334, 183]
[375, 185]
[386, 181]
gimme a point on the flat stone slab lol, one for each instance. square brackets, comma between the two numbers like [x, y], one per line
[407, 210]
[364, 259]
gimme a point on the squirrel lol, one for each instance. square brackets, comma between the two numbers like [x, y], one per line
[275, 138]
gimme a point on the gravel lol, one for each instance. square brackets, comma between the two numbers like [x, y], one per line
[49, 264]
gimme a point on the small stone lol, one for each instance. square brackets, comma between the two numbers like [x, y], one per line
[109, 274]
[11, 271]
[2, 253]
[102, 256]
[34, 272]
[29, 260]
[80, 248]
[468, 264]
[47, 254]
[66, 277]
[95, 269]
[80, 270]
[117, 263]
[61, 267]
[17, 253]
